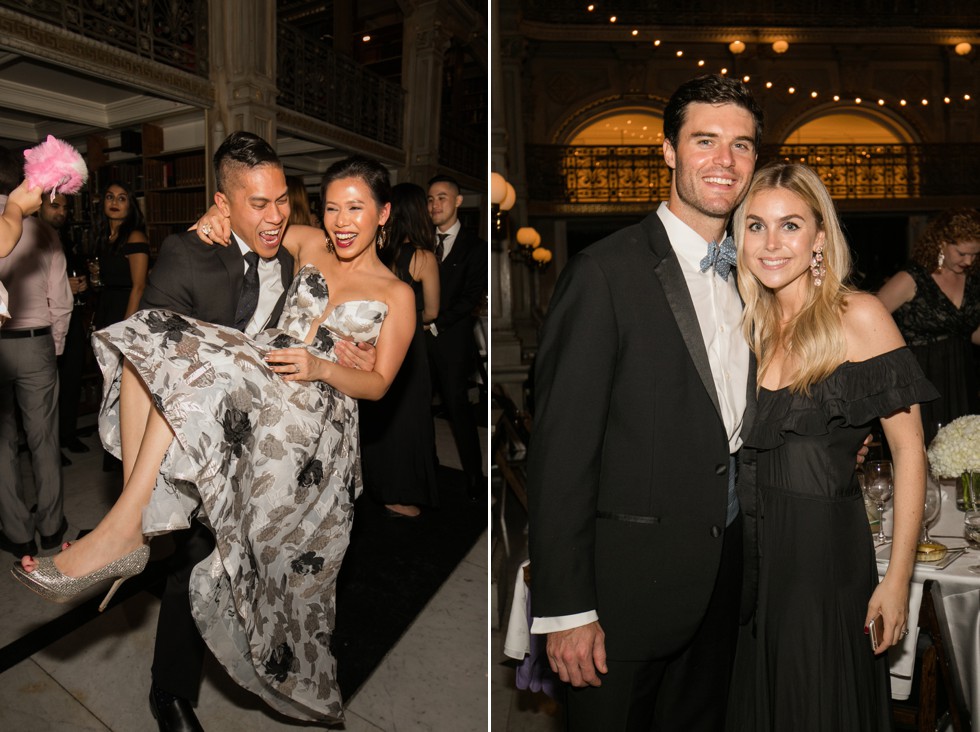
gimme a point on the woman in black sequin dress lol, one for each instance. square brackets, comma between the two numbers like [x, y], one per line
[936, 303]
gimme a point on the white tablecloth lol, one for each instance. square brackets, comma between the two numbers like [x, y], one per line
[961, 598]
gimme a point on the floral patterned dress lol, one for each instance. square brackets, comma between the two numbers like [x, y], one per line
[272, 466]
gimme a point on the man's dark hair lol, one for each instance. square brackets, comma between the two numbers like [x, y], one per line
[11, 170]
[709, 89]
[241, 151]
[369, 170]
[445, 179]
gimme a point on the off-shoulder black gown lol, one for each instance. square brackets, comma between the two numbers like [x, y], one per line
[805, 664]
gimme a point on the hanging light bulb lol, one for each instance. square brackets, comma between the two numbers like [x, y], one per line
[780, 46]
[962, 49]
[736, 47]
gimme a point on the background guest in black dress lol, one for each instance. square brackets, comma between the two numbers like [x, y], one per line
[123, 260]
[936, 303]
[123, 252]
[397, 437]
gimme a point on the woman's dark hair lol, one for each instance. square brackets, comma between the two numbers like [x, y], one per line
[133, 222]
[409, 227]
[709, 89]
[299, 203]
[373, 173]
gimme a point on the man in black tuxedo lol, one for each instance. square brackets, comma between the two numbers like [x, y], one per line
[450, 341]
[644, 393]
[228, 286]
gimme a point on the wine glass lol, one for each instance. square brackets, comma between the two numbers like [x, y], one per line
[879, 486]
[932, 507]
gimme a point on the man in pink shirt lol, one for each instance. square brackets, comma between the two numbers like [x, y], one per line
[40, 304]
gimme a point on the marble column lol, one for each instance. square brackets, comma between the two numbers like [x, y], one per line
[243, 70]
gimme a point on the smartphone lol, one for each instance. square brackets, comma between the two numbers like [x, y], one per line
[875, 630]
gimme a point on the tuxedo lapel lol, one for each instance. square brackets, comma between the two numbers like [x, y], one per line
[668, 271]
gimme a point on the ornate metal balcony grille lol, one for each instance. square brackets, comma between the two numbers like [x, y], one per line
[763, 13]
[171, 32]
[315, 81]
[625, 175]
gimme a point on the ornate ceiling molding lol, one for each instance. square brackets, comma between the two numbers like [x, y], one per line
[46, 42]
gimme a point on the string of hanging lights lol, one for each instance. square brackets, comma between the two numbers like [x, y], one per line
[736, 47]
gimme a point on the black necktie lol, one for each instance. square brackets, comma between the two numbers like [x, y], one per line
[441, 246]
[250, 292]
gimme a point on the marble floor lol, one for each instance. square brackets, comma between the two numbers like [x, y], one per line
[97, 677]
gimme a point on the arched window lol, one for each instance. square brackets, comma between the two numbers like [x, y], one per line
[858, 153]
[616, 157]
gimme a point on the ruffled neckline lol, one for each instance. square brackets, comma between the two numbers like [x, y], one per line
[854, 394]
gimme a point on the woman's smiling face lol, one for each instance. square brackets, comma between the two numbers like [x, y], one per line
[352, 216]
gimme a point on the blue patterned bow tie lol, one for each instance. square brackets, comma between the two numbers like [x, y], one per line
[721, 257]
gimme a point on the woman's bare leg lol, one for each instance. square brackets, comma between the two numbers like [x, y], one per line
[135, 405]
[121, 529]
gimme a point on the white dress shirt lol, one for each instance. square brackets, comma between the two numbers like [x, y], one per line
[270, 288]
[719, 311]
[447, 244]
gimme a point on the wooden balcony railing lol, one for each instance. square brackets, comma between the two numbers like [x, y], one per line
[315, 81]
[620, 176]
[171, 32]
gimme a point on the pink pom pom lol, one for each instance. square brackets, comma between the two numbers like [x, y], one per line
[55, 166]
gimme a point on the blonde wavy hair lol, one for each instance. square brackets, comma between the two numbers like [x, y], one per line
[814, 338]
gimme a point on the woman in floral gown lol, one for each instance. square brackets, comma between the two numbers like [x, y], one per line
[259, 436]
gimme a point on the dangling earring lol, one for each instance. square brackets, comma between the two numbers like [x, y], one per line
[330, 247]
[382, 238]
[816, 267]
[942, 258]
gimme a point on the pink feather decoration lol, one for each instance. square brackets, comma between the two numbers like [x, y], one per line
[55, 166]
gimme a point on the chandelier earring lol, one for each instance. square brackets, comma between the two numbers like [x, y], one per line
[940, 259]
[382, 238]
[330, 246]
[817, 269]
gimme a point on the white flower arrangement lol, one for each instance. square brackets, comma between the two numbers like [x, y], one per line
[956, 448]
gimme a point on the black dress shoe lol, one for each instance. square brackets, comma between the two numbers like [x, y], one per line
[18, 550]
[53, 540]
[75, 445]
[172, 713]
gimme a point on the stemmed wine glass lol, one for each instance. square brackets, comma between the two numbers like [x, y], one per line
[933, 504]
[879, 486]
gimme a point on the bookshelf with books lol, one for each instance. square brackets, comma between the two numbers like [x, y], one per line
[170, 185]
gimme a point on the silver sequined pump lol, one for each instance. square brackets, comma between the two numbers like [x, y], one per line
[48, 581]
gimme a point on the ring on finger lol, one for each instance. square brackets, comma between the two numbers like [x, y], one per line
[905, 632]
[206, 229]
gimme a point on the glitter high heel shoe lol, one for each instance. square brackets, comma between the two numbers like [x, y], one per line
[48, 581]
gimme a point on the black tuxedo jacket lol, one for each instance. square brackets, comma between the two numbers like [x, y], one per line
[629, 459]
[202, 281]
[462, 285]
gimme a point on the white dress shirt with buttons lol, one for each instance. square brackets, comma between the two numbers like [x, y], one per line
[270, 289]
